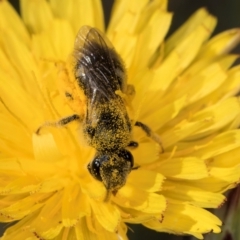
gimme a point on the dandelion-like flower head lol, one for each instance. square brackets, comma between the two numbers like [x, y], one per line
[185, 92]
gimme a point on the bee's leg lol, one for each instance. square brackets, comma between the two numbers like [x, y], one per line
[133, 144]
[130, 91]
[62, 122]
[135, 168]
[150, 133]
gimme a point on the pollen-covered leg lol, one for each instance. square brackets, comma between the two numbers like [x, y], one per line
[150, 133]
[61, 123]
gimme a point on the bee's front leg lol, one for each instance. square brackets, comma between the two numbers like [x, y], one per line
[60, 123]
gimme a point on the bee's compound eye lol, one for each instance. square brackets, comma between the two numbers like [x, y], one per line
[126, 155]
[94, 168]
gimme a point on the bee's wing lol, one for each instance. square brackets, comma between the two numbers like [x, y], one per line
[98, 68]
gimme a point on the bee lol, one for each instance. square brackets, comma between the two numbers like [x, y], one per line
[100, 73]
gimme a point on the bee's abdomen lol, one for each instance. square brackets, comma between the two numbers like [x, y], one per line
[111, 132]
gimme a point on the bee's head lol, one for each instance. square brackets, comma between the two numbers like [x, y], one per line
[112, 168]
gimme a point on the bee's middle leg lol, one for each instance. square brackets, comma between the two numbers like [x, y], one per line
[60, 123]
[150, 133]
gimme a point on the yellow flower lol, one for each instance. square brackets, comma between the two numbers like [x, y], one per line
[185, 91]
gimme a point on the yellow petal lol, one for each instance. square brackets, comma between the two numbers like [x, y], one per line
[67, 233]
[14, 141]
[37, 15]
[107, 215]
[35, 225]
[79, 13]
[27, 115]
[229, 87]
[48, 224]
[49, 45]
[125, 12]
[182, 131]
[146, 202]
[221, 115]
[126, 50]
[74, 205]
[23, 184]
[215, 184]
[188, 219]
[185, 168]
[199, 66]
[200, 84]
[10, 21]
[25, 206]
[181, 56]
[200, 17]
[82, 231]
[23, 63]
[134, 216]
[156, 118]
[188, 193]
[220, 44]
[146, 180]
[211, 89]
[141, 84]
[146, 153]
[45, 148]
[151, 37]
[138, 13]
[220, 160]
[16, 231]
[228, 175]
[232, 85]
[224, 142]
